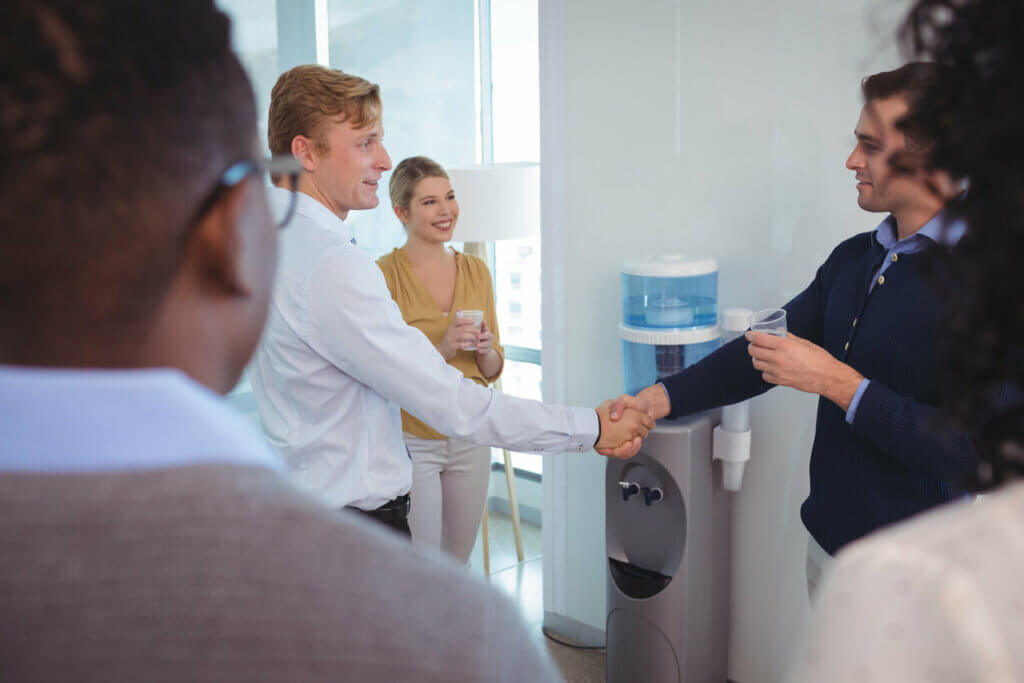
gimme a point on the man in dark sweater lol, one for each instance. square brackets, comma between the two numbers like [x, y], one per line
[863, 337]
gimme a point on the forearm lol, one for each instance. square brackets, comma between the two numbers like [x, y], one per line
[840, 385]
[490, 364]
[654, 399]
[443, 349]
[723, 378]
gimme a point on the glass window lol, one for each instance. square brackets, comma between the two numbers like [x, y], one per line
[524, 380]
[515, 103]
[422, 56]
[254, 38]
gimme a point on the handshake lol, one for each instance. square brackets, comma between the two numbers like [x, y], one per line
[626, 421]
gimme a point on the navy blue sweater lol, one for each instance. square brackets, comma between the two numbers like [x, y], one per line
[893, 461]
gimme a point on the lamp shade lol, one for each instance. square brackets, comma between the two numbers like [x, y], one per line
[497, 201]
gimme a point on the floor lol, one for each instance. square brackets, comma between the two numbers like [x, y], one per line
[524, 583]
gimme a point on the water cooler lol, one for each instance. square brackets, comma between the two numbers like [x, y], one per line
[669, 316]
[668, 515]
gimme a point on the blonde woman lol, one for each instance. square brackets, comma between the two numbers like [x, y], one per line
[431, 283]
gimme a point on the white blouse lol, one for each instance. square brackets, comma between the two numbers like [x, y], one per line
[938, 598]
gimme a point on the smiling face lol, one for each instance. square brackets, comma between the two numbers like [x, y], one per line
[346, 174]
[878, 139]
[432, 211]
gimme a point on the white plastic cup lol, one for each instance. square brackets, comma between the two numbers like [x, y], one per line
[732, 475]
[477, 317]
[770, 321]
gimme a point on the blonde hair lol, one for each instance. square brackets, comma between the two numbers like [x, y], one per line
[407, 175]
[304, 97]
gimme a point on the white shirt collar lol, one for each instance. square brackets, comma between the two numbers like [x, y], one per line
[311, 209]
[65, 420]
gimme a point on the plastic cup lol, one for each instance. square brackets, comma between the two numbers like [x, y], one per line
[770, 321]
[732, 475]
[477, 317]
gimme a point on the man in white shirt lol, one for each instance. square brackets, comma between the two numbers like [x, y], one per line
[146, 532]
[338, 362]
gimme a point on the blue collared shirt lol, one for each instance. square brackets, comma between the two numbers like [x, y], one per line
[939, 230]
[64, 420]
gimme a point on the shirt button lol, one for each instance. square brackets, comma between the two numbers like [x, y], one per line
[855, 322]
[895, 258]
[881, 279]
[846, 346]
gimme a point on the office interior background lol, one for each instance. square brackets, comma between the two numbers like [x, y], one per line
[704, 127]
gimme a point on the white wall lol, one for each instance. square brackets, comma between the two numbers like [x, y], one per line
[715, 128]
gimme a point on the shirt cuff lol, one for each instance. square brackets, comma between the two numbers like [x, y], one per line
[851, 412]
[668, 396]
[588, 428]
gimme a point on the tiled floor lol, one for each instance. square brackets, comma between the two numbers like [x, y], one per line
[524, 582]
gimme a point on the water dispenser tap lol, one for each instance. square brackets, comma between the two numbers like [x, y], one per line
[652, 495]
[629, 488]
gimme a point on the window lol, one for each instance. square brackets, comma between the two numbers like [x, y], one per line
[254, 38]
[421, 55]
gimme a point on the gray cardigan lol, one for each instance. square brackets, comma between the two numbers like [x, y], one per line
[220, 572]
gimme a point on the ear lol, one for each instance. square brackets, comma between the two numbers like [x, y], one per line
[942, 184]
[304, 149]
[216, 247]
[402, 213]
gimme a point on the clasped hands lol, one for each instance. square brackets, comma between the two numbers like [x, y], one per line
[622, 436]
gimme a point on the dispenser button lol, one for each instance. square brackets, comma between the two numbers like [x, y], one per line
[652, 495]
[629, 488]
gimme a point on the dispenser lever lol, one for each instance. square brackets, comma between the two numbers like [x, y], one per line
[629, 488]
[652, 495]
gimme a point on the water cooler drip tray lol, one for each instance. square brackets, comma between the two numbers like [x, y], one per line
[637, 582]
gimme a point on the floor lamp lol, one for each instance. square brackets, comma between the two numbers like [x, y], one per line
[497, 202]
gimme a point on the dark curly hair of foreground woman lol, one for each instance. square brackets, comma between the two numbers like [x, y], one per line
[974, 116]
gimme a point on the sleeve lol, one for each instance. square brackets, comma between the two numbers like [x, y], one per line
[352, 322]
[491, 314]
[851, 412]
[728, 376]
[911, 431]
[387, 269]
[889, 611]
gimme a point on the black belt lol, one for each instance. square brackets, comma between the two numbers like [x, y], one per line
[395, 510]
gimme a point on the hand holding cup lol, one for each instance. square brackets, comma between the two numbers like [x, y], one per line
[462, 333]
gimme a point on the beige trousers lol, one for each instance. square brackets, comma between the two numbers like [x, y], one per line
[449, 490]
[818, 564]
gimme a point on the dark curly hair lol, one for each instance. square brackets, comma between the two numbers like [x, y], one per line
[973, 116]
[116, 118]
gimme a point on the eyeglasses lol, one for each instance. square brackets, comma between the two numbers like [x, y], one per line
[283, 171]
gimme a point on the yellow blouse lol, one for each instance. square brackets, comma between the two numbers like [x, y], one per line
[473, 291]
